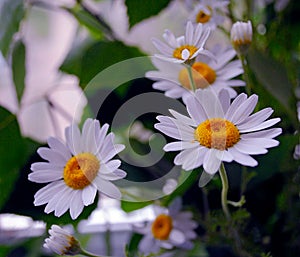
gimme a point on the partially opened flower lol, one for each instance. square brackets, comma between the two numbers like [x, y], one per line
[241, 36]
[209, 12]
[184, 48]
[77, 168]
[62, 242]
[218, 131]
[217, 73]
[170, 228]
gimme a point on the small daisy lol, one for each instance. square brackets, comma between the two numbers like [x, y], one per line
[184, 48]
[62, 242]
[216, 73]
[77, 169]
[241, 36]
[209, 13]
[218, 131]
[171, 228]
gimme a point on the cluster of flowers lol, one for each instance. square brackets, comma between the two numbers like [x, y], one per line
[220, 128]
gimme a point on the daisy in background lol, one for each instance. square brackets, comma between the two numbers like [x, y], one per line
[77, 168]
[216, 73]
[170, 228]
[218, 131]
[62, 242]
[210, 13]
[241, 36]
[184, 48]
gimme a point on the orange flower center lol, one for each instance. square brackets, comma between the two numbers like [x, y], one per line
[178, 51]
[162, 227]
[217, 133]
[203, 75]
[81, 170]
[203, 17]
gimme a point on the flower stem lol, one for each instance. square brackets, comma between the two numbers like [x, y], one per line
[192, 82]
[224, 200]
[245, 75]
[86, 253]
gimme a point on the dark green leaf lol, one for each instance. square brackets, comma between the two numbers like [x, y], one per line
[73, 62]
[19, 67]
[87, 20]
[12, 153]
[132, 248]
[139, 10]
[132, 206]
[11, 14]
[272, 75]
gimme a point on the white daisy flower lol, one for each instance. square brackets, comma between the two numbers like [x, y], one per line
[241, 36]
[77, 169]
[210, 13]
[218, 131]
[171, 228]
[184, 48]
[62, 242]
[216, 73]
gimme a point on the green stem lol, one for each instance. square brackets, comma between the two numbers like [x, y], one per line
[191, 79]
[245, 75]
[86, 253]
[224, 200]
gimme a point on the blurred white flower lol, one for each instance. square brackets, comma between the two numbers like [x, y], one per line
[77, 169]
[62, 242]
[217, 73]
[241, 36]
[209, 12]
[171, 228]
[170, 186]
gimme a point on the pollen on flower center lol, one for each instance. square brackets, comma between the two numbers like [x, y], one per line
[162, 227]
[203, 76]
[202, 17]
[81, 170]
[217, 133]
[178, 51]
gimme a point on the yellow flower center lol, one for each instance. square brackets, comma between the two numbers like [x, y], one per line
[162, 227]
[81, 170]
[178, 51]
[203, 75]
[217, 133]
[203, 17]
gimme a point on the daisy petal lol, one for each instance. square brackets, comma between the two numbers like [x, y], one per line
[88, 195]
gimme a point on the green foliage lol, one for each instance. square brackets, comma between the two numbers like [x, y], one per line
[11, 14]
[139, 10]
[19, 67]
[132, 206]
[12, 153]
[88, 61]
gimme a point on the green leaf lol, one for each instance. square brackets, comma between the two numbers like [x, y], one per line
[132, 206]
[11, 152]
[11, 14]
[92, 59]
[273, 75]
[19, 67]
[87, 20]
[139, 10]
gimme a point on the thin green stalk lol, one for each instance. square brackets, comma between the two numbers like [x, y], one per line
[86, 253]
[245, 75]
[224, 200]
[191, 79]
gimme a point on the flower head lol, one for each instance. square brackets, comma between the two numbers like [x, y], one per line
[170, 228]
[62, 242]
[77, 168]
[218, 131]
[209, 12]
[217, 73]
[241, 36]
[184, 48]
